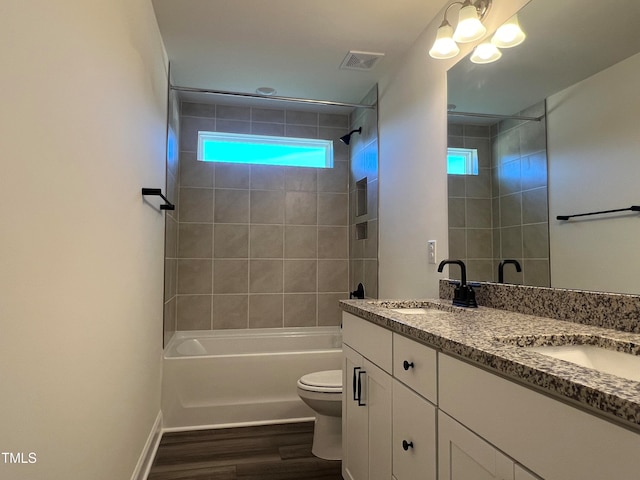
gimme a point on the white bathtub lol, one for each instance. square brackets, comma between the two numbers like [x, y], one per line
[242, 377]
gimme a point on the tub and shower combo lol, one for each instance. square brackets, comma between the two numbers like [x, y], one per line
[241, 377]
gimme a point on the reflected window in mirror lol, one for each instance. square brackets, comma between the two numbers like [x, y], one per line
[462, 161]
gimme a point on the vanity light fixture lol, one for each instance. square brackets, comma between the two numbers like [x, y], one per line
[486, 52]
[468, 29]
[445, 46]
[509, 34]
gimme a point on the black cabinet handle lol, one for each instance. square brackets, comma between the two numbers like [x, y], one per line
[360, 402]
[355, 377]
[406, 445]
[406, 365]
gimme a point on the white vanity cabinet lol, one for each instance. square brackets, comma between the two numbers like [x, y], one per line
[463, 455]
[414, 412]
[402, 399]
[414, 435]
[366, 400]
[389, 423]
[550, 438]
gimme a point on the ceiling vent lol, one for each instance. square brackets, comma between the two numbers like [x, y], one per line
[360, 60]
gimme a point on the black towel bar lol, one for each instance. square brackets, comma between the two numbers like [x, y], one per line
[158, 192]
[633, 208]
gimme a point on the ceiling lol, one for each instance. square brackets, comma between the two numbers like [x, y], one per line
[295, 47]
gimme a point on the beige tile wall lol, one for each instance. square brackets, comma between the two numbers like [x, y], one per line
[261, 246]
[171, 221]
[363, 253]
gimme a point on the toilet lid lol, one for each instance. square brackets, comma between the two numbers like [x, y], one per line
[326, 379]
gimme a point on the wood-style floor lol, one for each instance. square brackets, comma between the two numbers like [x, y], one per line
[271, 452]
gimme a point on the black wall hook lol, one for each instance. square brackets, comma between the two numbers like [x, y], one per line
[158, 192]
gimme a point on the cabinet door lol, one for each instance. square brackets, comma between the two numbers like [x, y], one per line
[465, 456]
[414, 435]
[378, 397]
[355, 424]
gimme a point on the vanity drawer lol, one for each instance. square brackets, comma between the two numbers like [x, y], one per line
[414, 435]
[415, 365]
[369, 340]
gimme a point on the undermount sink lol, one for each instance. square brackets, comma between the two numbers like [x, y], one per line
[420, 307]
[625, 365]
[411, 311]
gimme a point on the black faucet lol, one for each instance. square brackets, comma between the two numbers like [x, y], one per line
[358, 292]
[501, 268]
[463, 295]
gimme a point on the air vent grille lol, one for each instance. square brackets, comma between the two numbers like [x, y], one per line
[360, 60]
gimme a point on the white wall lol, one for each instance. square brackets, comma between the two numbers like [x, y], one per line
[594, 164]
[82, 129]
[413, 179]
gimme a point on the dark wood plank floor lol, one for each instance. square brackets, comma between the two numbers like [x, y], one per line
[271, 452]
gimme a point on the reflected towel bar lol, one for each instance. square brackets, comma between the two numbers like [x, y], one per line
[158, 192]
[633, 208]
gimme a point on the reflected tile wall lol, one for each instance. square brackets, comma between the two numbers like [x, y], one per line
[471, 214]
[260, 246]
[502, 212]
[519, 174]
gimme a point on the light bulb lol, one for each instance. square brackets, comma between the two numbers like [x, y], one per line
[444, 47]
[469, 28]
[509, 34]
[486, 53]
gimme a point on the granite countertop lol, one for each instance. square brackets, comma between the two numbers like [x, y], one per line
[493, 338]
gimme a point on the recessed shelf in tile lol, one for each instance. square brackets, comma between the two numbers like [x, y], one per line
[361, 197]
[361, 231]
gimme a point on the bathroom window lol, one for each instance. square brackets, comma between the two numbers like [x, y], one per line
[264, 150]
[462, 161]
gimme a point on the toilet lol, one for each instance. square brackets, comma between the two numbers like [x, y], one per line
[322, 391]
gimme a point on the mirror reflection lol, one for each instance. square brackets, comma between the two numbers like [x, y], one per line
[575, 76]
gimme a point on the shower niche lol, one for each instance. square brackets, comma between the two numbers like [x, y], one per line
[361, 197]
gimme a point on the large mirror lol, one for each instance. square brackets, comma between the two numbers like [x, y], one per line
[576, 75]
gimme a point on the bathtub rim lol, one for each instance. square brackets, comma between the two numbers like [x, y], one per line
[170, 353]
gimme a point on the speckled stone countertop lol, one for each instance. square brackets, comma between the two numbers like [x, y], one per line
[493, 339]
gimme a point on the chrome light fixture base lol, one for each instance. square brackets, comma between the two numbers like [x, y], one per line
[469, 28]
[482, 6]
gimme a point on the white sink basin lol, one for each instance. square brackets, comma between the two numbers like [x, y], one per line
[621, 364]
[411, 311]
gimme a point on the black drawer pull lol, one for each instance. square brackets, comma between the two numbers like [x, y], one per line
[406, 365]
[406, 445]
[355, 379]
[360, 402]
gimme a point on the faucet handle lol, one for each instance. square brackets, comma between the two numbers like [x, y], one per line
[454, 282]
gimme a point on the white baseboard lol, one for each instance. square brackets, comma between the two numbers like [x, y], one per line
[238, 424]
[141, 472]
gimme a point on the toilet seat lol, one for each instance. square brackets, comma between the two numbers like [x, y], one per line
[327, 381]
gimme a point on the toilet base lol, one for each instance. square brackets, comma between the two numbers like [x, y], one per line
[327, 437]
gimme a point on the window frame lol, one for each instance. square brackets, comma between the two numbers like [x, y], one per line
[267, 140]
[470, 156]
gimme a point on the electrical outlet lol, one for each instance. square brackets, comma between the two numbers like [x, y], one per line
[431, 251]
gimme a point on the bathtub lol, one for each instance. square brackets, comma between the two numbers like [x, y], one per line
[242, 377]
